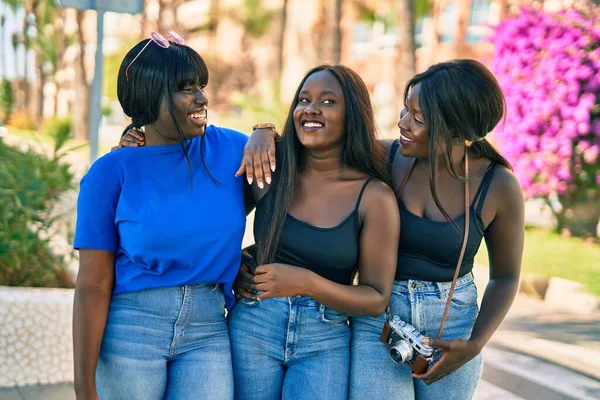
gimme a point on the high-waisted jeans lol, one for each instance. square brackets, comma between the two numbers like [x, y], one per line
[168, 343]
[292, 348]
[373, 373]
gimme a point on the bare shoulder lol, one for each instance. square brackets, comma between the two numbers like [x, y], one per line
[378, 195]
[505, 188]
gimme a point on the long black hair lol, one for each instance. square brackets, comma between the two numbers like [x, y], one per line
[461, 101]
[361, 151]
[153, 77]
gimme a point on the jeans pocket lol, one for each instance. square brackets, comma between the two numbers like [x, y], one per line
[330, 316]
[465, 296]
[218, 291]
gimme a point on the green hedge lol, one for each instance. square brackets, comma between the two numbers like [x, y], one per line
[30, 184]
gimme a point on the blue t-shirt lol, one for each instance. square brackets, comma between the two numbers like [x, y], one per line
[168, 226]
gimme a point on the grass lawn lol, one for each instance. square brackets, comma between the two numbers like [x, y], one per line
[548, 254]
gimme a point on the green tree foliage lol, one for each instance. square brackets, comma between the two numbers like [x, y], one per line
[30, 185]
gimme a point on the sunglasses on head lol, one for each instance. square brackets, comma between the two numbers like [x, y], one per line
[161, 41]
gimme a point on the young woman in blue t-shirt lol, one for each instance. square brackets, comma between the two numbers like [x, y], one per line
[159, 231]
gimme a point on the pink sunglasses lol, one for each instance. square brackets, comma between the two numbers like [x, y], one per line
[161, 41]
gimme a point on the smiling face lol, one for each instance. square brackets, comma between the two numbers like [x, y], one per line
[320, 115]
[414, 135]
[190, 105]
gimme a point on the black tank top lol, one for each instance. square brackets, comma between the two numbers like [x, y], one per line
[330, 252]
[429, 249]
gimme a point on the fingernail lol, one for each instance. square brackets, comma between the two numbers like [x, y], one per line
[260, 184]
[272, 168]
[425, 341]
[237, 174]
[268, 179]
[134, 145]
[250, 180]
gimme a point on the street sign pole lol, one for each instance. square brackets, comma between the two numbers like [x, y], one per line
[101, 6]
[96, 95]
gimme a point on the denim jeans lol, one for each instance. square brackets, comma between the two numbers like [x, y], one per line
[292, 348]
[168, 343]
[374, 374]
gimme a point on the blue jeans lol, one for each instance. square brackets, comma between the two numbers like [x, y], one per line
[374, 375]
[168, 343]
[292, 348]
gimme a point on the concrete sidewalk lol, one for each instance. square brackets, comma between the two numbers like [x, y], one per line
[555, 334]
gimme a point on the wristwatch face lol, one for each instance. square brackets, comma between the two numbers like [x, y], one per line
[263, 126]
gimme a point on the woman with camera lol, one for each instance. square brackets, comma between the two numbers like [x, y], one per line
[450, 183]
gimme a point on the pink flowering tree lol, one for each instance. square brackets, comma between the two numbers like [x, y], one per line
[548, 65]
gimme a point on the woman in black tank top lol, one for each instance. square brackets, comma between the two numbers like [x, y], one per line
[427, 166]
[327, 215]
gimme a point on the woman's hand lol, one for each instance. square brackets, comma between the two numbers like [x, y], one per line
[244, 284]
[133, 138]
[259, 157]
[281, 280]
[455, 353]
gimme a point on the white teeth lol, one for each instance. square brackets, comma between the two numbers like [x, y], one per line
[201, 115]
[406, 139]
[313, 125]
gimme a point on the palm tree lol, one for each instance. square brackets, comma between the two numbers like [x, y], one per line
[281, 48]
[405, 50]
[83, 89]
[337, 32]
[167, 16]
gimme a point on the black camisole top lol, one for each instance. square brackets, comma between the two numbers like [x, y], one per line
[429, 249]
[329, 252]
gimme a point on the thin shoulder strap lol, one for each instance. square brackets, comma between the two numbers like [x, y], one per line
[393, 150]
[484, 187]
[369, 179]
[405, 180]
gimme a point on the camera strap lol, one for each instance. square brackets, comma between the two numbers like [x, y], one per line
[465, 238]
[464, 245]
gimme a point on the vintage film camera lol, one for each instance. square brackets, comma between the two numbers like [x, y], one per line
[405, 344]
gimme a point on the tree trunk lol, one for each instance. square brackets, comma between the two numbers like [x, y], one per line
[81, 107]
[61, 41]
[167, 17]
[147, 25]
[281, 49]
[213, 24]
[337, 32]
[580, 214]
[405, 52]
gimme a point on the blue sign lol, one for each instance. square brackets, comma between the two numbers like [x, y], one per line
[118, 6]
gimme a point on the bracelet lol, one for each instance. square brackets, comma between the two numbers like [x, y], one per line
[270, 126]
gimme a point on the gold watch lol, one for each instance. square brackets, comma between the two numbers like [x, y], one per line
[265, 126]
[270, 126]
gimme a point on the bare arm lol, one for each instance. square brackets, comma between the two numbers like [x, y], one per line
[504, 239]
[93, 292]
[377, 264]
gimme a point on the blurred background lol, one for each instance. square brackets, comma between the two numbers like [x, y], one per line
[545, 55]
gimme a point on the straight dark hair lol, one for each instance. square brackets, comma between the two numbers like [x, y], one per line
[361, 151]
[461, 101]
[153, 77]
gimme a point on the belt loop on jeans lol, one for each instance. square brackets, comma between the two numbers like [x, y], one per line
[443, 289]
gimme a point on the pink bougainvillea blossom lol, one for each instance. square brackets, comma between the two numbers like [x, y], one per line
[548, 65]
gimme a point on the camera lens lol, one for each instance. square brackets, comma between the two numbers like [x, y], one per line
[401, 352]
